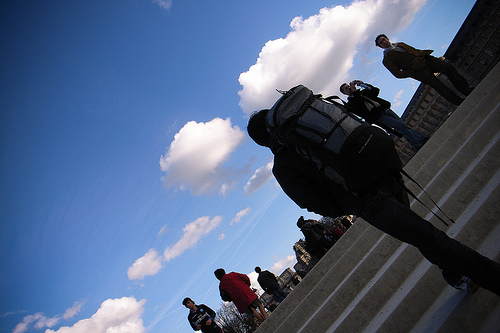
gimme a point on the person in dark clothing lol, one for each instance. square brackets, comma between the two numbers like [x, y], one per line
[201, 317]
[317, 241]
[384, 204]
[269, 283]
[375, 110]
[404, 61]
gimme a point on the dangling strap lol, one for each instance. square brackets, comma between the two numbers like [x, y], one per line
[415, 197]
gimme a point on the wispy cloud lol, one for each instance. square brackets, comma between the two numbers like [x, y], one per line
[152, 262]
[397, 99]
[195, 159]
[74, 310]
[163, 230]
[320, 50]
[240, 215]
[192, 234]
[165, 4]
[40, 321]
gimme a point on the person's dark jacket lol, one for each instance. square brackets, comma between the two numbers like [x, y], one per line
[268, 281]
[404, 64]
[366, 103]
[316, 242]
[200, 317]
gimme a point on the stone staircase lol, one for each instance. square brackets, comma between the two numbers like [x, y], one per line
[371, 282]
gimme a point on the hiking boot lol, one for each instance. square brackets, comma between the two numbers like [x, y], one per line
[467, 285]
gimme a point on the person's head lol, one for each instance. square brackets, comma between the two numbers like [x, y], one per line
[257, 129]
[188, 303]
[345, 88]
[257, 269]
[219, 273]
[301, 222]
[382, 41]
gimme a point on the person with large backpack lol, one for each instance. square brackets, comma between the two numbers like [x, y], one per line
[359, 174]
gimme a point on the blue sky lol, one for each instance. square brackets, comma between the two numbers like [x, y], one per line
[127, 176]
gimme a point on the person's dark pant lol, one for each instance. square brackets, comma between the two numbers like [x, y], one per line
[436, 65]
[382, 210]
[279, 295]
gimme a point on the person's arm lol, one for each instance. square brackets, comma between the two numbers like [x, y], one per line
[244, 278]
[210, 312]
[371, 91]
[193, 324]
[413, 50]
[395, 70]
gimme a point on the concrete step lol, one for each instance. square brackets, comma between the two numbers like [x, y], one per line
[370, 282]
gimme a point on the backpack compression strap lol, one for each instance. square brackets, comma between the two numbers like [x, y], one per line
[415, 197]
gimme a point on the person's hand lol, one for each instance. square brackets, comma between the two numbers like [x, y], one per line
[352, 85]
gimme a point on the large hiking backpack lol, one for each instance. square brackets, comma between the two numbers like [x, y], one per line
[319, 130]
[301, 118]
[341, 146]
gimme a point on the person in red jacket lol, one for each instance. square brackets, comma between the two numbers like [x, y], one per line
[235, 287]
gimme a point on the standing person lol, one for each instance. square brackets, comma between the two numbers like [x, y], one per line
[269, 283]
[201, 317]
[235, 287]
[403, 61]
[317, 241]
[366, 104]
[383, 203]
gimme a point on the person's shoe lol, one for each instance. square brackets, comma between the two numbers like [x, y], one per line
[467, 285]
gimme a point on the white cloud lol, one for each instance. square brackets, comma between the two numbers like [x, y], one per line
[152, 262]
[47, 322]
[192, 234]
[149, 264]
[165, 4]
[279, 266]
[163, 230]
[114, 315]
[259, 178]
[320, 50]
[221, 236]
[240, 215]
[254, 283]
[194, 161]
[27, 321]
[39, 321]
[74, 310]
[397, 99]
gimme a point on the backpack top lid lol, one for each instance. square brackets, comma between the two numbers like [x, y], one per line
[282, 117]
